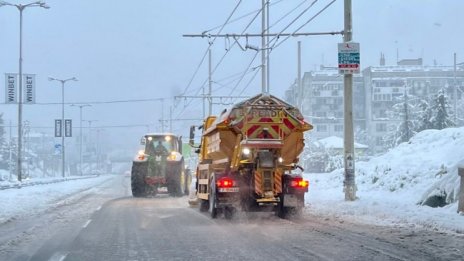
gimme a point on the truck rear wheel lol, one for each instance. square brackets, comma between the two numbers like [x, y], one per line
[229, 212]
[204, 205]
[138, 174]
[212, 199]
[187, 181]
[289, 212]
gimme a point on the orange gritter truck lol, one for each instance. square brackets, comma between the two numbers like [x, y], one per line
[248, 156]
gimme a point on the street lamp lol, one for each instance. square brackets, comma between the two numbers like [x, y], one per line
[62, 117]
[20, 93]
[80, 132]
[89, 140]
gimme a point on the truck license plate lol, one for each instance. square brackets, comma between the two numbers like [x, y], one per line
[228, 190]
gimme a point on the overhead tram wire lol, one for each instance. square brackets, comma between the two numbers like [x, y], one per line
[277, 45]
[209, 47]
[243, 76]
[103, 102]
[245, 15]
[249, 82]
[290, 24]
[221, 60]
[299, 28]
[274, 39]
[288, 13]
[283, 17]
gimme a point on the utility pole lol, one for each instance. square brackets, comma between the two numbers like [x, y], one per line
[349, 182]
[80, 133]
[10, 162]
[300, 86]
[263, 49]
[455, 94]
[162, 114]
[210, 85]
[89, 141]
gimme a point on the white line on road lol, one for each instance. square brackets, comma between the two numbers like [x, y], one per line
[87, 223]
[58, 257]
[99, 208]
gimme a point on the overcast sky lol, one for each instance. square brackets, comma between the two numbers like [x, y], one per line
[133, 50]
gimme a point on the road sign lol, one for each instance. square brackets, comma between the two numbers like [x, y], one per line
[58, 128]
[348, 58]
[68, 128]
[57, 149]
[11, 87]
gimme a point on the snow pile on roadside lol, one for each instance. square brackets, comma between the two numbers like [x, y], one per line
[28, 200]
[391, 186]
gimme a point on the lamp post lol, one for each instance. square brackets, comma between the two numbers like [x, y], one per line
[89, 141]
[21, 8]
[80, 132]
[62, 119]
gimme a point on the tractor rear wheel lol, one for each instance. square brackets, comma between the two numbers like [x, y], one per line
[176, 183]
[138, 174]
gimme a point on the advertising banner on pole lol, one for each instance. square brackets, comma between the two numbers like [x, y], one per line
[58, 128]
[11, 88]
[29, 88]
[68, 128]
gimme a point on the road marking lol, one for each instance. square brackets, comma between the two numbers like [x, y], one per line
[87, 223]
[58, 257]
[99, 208]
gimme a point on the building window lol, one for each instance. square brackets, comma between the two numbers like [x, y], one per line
[321, 128]
[321, 114]
[338, 128]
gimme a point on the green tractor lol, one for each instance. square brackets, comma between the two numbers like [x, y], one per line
[160, 164]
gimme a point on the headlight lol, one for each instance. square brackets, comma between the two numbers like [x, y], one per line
[246, 151]
[150, 138]
[280, 159]
[141, 154]
[172, 155]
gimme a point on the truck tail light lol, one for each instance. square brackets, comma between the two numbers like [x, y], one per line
[225, 182]
[299, 183]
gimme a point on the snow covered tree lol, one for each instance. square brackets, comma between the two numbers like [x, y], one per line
[2, 130]
[425, 114]
[4, 150]
[405, 130]
[404, 112]
[440, 118]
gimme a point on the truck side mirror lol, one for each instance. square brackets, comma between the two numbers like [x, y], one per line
[143, 141]
[192, 136]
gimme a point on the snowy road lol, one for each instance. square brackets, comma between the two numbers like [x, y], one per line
[106, 223]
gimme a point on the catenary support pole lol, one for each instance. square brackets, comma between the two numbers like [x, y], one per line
[461, 191]
[349, 182]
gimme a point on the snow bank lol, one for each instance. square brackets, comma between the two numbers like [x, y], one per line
[395, 184]
[427, 164]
